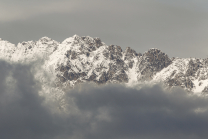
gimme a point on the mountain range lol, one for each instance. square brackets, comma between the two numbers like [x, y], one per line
[85, 59]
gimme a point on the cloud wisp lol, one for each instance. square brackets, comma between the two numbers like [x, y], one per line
[109, 111]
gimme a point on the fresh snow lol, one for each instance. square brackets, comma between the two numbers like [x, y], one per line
[52, 54]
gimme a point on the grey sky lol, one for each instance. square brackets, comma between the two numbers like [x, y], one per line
[178, 28]
[111, 111]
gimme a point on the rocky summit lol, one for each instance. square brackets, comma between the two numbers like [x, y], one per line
[85, 59]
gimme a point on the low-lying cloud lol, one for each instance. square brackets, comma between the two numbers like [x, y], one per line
[108, 111]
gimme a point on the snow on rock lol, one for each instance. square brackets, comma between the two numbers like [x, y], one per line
[86, 59]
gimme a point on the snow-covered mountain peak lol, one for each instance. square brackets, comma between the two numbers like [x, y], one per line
[75, 36]
[154, 51]
[25, 44]
[71, 39]
[83, 44]
[45, 39]
[86, 59]
[156, 58]
[5, 42]
[130, 53]
[6, 49]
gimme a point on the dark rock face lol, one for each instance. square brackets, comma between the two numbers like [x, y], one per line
[112, 70]
[157, 59]
[174, 82]
[106, 54]
[73, 55]
[193, 67]
[131, 64]
[98, 42]
[103, 79]
[115, 52]
[62, 79]
[64, 68]
[180, 80]
[205, 62]
[122, 78]
[92, 43]
[68, 53]
[71, 76]
[92, 77]
[205, 91]
[130, 53]
[83, 74]
[87, 54]
[148, 64]
[188, 83]
[117, 73]
[151, 62]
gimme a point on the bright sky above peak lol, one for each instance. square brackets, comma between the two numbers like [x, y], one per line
[178, 28]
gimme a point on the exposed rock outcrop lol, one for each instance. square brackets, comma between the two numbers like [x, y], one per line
[86, 59]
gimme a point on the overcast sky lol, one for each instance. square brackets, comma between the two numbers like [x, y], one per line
[178, 28]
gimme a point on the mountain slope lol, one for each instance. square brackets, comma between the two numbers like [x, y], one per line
[86, 59]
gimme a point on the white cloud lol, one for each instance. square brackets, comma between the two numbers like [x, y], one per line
[108, 111]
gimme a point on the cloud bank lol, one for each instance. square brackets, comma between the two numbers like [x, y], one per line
[109, 111]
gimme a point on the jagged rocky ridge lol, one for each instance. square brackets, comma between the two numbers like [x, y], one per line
[85, 59]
